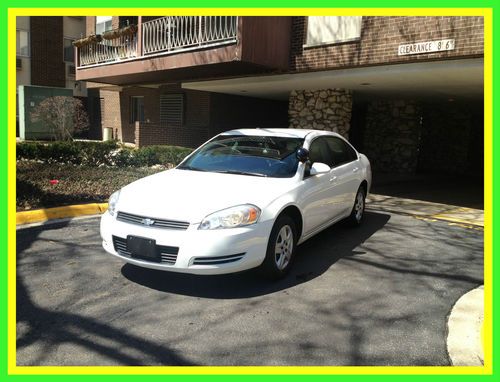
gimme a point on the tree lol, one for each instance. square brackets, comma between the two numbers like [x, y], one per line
[64, 116]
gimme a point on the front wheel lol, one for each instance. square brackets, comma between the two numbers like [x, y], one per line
[358, 210]
[280, 248]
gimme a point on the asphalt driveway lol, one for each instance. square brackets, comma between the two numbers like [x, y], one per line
[377, 295]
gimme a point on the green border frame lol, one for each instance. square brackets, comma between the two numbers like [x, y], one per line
[228, 4]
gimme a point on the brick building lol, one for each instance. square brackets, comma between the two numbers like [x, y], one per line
[45, 55]
[408, 91]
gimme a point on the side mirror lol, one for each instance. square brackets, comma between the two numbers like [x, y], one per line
[319, 168]
[302, 154]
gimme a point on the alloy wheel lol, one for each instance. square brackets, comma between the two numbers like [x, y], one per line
[283, 247]
[359, 206]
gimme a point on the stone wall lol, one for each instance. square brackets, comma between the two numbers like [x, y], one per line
[451, 137]
[392, 135]
[327, 109]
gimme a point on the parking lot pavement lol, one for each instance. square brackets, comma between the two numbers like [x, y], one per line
[376, 295]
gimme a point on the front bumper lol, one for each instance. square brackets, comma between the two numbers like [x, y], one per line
[213, 248]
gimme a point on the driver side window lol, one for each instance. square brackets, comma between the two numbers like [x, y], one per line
[320, 152]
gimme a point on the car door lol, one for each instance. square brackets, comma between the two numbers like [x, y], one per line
[345, 172]
[319, 199]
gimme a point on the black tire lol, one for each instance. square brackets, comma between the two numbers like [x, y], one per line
[277, 265]
[358, 209]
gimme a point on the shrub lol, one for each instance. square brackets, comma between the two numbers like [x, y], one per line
[101, 153]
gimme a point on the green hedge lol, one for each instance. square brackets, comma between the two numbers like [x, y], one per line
[100, 153]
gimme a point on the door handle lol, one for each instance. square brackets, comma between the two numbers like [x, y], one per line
[355, 169]
[333, 179]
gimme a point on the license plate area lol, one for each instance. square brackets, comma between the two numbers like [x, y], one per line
[143, 248]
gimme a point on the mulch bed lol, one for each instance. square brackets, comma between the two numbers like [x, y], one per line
[40, 185]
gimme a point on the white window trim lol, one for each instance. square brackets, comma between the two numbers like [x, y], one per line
[346, 41]
[335, 42]
[29, 44]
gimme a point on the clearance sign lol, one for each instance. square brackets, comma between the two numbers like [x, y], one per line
[426, 47]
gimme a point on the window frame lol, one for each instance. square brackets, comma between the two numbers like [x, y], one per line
[109, 19]
[28, 45]
[135, 113]
[307, 45]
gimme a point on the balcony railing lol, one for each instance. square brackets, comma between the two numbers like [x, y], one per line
[106, 51]
[182, 32]
[165, 35]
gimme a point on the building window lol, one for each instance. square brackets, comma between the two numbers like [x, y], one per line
[136, 109]
[22, 43]
[172, 109]
[323, 30]
[69, 50]
[125, 21]
[103, 24]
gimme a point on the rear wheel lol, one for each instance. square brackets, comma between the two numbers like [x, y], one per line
[280, 248]
[358, 210]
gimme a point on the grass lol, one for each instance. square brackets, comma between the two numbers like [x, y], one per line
[75, 184]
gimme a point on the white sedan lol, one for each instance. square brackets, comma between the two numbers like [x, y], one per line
[244, 199]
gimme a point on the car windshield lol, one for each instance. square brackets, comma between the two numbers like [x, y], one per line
[247, 155]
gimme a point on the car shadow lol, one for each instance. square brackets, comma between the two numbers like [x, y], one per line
[313, 258]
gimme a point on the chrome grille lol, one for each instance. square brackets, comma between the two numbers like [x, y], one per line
[159, 223]
[218, 259]
[168, 254]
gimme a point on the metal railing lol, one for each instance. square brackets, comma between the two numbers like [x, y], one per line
[169, 34]
[116, 49]
[182, 32]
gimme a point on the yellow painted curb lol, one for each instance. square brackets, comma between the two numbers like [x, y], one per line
[452, 219]
[35, 216]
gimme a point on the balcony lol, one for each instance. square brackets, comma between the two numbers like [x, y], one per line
[180, 47]
[166, 35]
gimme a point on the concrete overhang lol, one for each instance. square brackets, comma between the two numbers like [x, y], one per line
[450, 79]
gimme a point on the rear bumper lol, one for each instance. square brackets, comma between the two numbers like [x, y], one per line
[199, 251]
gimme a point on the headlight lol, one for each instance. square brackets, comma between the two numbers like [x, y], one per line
[231, 217]
[113, 199]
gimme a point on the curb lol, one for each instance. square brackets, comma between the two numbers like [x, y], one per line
[465, 323]
[36, 216]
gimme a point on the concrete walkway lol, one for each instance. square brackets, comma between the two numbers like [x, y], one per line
[428, 210]
[465, 323]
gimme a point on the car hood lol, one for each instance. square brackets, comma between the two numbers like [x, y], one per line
[186, 195]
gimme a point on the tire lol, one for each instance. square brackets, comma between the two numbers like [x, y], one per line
[280, 249]
[358, 209]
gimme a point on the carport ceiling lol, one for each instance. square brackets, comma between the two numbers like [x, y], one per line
[439, 79]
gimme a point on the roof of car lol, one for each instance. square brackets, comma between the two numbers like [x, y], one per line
[294, 133]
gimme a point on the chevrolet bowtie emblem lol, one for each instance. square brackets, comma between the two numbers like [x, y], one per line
[148, 221]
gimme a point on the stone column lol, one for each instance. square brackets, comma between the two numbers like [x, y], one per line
[327, 109]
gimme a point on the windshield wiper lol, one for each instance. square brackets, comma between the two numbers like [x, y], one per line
[241, 173]
[188, 167]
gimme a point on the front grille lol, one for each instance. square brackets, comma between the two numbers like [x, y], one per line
[159, 223]
[168, 254]
[218, 259]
